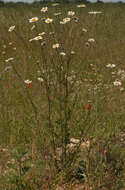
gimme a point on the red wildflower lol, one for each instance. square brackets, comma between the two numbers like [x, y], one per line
[29, 85]
[88, 107]
[105, 152]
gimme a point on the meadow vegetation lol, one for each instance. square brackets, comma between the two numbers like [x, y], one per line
[62, 96]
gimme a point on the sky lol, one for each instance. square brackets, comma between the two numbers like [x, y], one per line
[30, 1]
[27, 1]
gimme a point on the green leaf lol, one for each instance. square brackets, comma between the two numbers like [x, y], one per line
[12, 166]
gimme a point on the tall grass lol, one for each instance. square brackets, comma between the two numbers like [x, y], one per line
[66, 126]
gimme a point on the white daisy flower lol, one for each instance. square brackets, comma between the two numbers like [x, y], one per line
[44, 9]
[41, 34]
[84, 30]
[38, 38]
[11, 28]
[10, 43]
[40, 79]
[34, 19]
[9, 59]
[48, 20]
[72, 52]
[28, 81]
[75, 141]
[4, 46]
[67, 19]
[62, 22]
[91, 40]
[55, 46]
[111, 65]
[62, 53]
[117, 83]
[71, 13]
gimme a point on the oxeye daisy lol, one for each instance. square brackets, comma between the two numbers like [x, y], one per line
[71, 13]
[62, 22]
[72, 52]
[41, 34]
[44, 9]
[4, 46]
[9, 59]
[49, 20]
[84, 30]
[75, 141]
[28, 81]
[67, 19]
[55, 46]
[117, 83]
[62, 53]
[10, 43]
[11, 28]
[91, 40]
[40, 79]
[38, 38]
[34, 19]
[111, 65]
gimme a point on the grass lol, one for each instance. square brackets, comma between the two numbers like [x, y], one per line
[76, 99]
